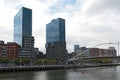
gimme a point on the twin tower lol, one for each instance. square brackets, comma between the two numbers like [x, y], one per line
[55, 34]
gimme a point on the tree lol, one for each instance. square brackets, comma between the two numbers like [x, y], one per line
[38, 61]
[26, 60]
[4, 61]
[17, 61]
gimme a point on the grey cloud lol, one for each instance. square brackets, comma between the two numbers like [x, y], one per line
[6, 34]
[112, 4]
[14, 3]
[100, 29]
[101, 32]
[61, 6]
[4, 30]
[82, 41]
[103, 6]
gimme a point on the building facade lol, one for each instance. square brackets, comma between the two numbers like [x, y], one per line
[97, 52]
[9, 50]
[76, 47]
[55, 39]
[22, 25]
[28, 42]
[55, 30]
[23, 33]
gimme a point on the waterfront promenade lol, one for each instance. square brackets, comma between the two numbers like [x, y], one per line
[30, 68]
[49, 67]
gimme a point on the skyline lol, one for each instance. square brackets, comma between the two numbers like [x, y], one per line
[88, 22]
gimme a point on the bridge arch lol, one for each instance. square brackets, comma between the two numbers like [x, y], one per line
[77, 56]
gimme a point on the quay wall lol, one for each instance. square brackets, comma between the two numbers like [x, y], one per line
[41, 68]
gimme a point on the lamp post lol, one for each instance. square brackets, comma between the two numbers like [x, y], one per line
[43, 61]
[118, 48]
[20, 61]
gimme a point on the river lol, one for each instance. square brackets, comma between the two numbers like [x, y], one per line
[98, 73]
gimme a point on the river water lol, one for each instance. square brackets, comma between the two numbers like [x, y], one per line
[99, 73]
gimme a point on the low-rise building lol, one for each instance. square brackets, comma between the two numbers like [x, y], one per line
[97, 52]
[9, 50]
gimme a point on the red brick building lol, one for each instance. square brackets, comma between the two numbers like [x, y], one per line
[9, 50]
[94, 52]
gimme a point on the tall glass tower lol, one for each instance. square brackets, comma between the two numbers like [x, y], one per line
[55, 30]
[55, 39]
[22, 25]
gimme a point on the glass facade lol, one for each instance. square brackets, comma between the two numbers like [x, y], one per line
[22, 25]
[55, 40]
[76, 47]
[55, 30]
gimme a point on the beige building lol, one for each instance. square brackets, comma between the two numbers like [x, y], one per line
[97, 52]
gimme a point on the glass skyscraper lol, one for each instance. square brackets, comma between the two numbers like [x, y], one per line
[55, 39]
[22, 25]
[55, 30]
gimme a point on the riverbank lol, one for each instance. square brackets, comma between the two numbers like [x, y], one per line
[49, 67]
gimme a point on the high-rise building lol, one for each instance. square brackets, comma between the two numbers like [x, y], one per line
[76, 47]
[55, 39]
[23, 33]
[28, 42]
[22, 26]
[55, 30]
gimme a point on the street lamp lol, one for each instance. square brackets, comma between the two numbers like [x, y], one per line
[43, 62]
[20, 61]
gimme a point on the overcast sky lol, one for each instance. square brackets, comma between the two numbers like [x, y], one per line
[88, 22]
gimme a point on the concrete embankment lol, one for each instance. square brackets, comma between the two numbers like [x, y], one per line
[29, 68]
[53, 67]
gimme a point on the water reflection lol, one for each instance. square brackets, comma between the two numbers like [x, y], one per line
[56, 75]
[17, 76]
[104, 73]
[93, 74]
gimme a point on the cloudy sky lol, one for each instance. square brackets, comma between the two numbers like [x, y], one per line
[88, 22]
